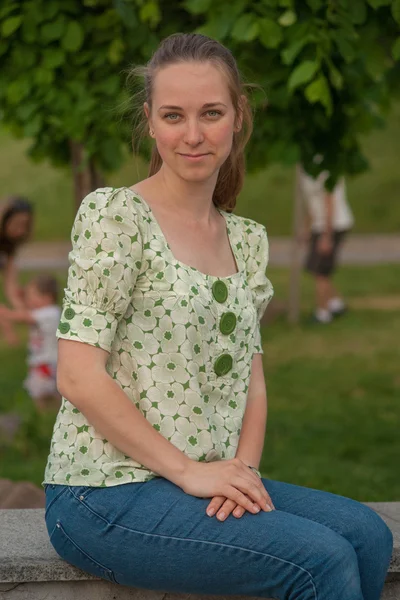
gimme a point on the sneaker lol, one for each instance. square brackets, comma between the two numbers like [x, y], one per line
[322, 321]
[339, 312]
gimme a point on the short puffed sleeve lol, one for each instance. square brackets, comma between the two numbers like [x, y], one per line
[261, 288]
[104, 264]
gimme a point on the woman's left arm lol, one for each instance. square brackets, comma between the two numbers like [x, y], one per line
[251, 441]
[12, 289]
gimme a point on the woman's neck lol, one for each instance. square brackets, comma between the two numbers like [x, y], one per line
[192, 200]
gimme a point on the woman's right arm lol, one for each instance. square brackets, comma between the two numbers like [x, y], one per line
[83, 379]
[12, 289]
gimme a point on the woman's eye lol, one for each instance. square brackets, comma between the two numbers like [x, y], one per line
[213, 113]
[171, 116]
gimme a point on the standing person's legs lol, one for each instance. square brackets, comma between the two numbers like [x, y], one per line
[368, 534]
[153, 535]
[322, 266]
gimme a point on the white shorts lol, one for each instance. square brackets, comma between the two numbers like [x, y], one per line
[41, 381]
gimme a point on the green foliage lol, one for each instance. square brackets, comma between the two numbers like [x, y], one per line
[62, 75]
[328, 70]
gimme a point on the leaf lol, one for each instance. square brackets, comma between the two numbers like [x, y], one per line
[396, 49]
[245, 29]
[290, 52]
[318, 91]
[336, 77]
[116, 51]
[302, 74]
[10, 25]
[396, 10]
[53, 31]
[7, 9]
[315, 5]
[379, 3]
[53, 58]
[288, 18]
[270, 34]
[344, 47]
[73, 37]
[217, 27]
[17, 90]
[150, 13]
[197, 7]
[357, 11]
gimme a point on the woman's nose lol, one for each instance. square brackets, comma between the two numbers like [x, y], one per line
[193, 133]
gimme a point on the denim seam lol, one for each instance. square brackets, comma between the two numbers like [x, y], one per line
[169, 537]
[79, 549]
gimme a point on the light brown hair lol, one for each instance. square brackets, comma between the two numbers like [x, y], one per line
[194, 47]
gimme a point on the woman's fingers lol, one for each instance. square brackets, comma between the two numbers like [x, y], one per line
[270, 502]
[233, 493]
[238, 512]
[256, 492]
[215, 505]
[226, 509]
[257, 482]
[222, 508]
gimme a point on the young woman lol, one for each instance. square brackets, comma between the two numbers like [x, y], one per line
[152, 475]
[16, 221]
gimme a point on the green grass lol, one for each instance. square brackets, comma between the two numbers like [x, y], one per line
[267, 196]
[333, 396]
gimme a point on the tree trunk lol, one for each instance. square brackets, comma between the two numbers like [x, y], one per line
[86, 176]
[296, 261]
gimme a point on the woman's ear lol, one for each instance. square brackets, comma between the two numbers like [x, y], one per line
[146, 109]
[239, 116]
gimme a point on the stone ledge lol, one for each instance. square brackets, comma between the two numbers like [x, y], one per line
[30, 568]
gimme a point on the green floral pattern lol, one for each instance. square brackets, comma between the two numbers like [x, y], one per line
[160, 322]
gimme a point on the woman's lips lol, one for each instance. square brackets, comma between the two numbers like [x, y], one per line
[194, 157]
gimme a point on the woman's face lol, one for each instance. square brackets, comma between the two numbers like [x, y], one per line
[193, 119]
[18, 226]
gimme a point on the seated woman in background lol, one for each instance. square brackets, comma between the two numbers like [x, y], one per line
[16, 222]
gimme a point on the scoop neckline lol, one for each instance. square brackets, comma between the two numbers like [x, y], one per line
[179, 262]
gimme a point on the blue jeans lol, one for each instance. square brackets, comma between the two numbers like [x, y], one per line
[315, 545]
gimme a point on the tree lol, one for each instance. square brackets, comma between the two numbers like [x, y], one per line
[61, 78]
[328, 69]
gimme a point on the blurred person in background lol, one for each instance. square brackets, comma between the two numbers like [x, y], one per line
[41, 313]
[16, 223]
[329, 219]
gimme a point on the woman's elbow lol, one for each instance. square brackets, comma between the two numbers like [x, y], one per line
[66, 382]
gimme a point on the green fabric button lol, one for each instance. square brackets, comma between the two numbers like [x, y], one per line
[223, 364]
[227, 323]
[69, 313]
[64, 327]
[220, 291]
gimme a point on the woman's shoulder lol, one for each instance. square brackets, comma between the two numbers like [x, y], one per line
[119, 204]
[112, 197]
[248, 228]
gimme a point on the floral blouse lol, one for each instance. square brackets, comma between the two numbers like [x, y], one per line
[181, 342]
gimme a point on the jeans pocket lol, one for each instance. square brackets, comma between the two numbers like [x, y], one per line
[65, 547]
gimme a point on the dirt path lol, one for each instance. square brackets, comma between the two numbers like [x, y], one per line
[357, 250]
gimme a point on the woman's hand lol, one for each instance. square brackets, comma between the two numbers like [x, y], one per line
[222, 508]
[230, 480]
